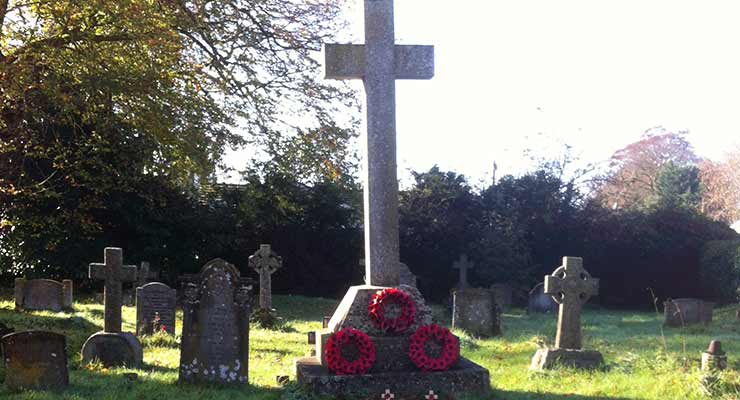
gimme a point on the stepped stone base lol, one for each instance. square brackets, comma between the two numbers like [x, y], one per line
[549, 358]
[113, 349]
[466, 377]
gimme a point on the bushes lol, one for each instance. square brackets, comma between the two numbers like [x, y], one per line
[720, 269]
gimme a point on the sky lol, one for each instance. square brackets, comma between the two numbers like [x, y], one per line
[539, 74]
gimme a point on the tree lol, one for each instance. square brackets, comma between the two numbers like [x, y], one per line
[677, 188]
[721, 183]
[634, 169]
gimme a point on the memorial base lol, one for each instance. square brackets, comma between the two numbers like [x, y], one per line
[113, 349]
[466, 377]
[549, 358]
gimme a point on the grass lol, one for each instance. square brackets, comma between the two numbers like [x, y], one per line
[640, 362]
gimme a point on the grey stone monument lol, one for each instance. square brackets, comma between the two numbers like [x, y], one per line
[215, 331]
[570, 286]
[379, 62]
[35, 360]
[683, 312]
[265, 261]
[155, 302]
[405, 276]
[539, 302]
[463, 265]
[43, 294]
[111, 346]
[475, 311]
[503, 294]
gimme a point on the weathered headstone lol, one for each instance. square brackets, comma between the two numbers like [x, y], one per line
[155, 305]
[570, 286]
[714, 358]
[111, 346]
[379, 62]
[35, 360]
[463, 265]
[476, 312]
[43, 294]
[265, 262]
[539, 302]
[682, 312]
[502, 294]
[215, 332]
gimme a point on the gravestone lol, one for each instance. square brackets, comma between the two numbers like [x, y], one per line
[265, 262]
[502, 294]
[215, 331]
[539, 302]
[155, 305]
[683, 312]
[714, 358]
[143, 276]
[111, 346]
[35, 360]
[4, 330]
[43, 294]
[463, 265]
[379, 62]
[476, 312]
[570, 286]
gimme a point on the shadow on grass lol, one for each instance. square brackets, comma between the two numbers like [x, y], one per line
[510, 395]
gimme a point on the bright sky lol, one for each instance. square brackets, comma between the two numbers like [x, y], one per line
[538, 74]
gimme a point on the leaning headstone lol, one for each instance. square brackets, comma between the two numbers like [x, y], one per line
[155, 308]
[43, 294]
[475, 311]
[539, 302]
[379, 62]
[35, 360]
[682, 312]
[502, 294]
[463, 265]
[571, 286]
[111, 346]
[215, 331]
[265, 262]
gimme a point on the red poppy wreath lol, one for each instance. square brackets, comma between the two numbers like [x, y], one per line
[445, 345]
[349, 352]
[380, 305]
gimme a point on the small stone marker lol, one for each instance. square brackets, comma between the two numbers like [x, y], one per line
[682, 312]
[463, 264]
[111, 346]
[215, 332]
[43, 294]
[475, 311]
[539, 302]
[570, 286]
[35, 360]
[714, 358]
[265, 262]
[155, 303]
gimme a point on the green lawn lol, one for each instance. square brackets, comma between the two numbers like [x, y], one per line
[641, 362]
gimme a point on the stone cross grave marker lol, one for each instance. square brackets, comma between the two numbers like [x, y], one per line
[265, 262]
[114, 273]
[463, 264]
[35, 360]
[379, 62]
[155, 302]
[142, 277]
[570, 286]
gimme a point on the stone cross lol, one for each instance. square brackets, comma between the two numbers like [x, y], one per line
[379, 62]
[570, 286]
[115, 274]
[265, 262]
[463, 264]
[143, 274]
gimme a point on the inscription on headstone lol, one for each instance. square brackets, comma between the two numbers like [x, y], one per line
[43, 294]
[215, 336]
[35, 360]
[155, 308]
